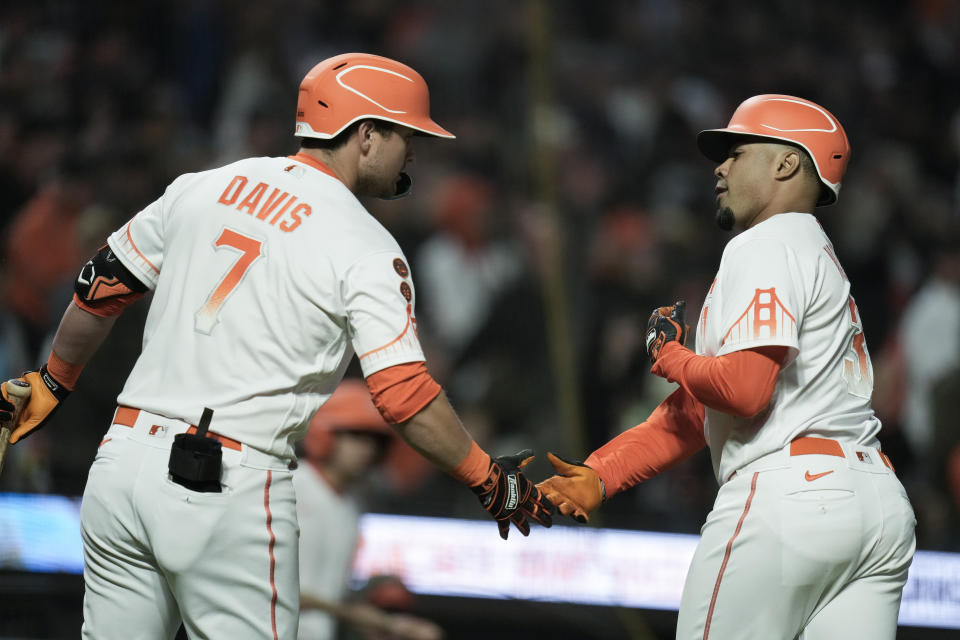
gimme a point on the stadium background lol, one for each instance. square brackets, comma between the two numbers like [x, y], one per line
[572, 202]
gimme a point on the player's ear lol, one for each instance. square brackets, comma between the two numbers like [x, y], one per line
[365, 132]
[787, 163]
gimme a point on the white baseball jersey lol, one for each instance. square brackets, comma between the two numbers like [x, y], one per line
[267, 275]
[329, 531]
[779, 283]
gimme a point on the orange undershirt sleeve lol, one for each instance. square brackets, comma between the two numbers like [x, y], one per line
[62, 371]
[474, 468]
[401, 391]
[673, 432]
[739, 383]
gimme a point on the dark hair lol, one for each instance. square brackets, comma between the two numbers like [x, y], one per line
[380, 126]
[806, 163]
[807, 166]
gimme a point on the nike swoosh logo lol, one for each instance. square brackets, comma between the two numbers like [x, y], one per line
[811, 478]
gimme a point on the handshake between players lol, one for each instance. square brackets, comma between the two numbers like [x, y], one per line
[576, 489]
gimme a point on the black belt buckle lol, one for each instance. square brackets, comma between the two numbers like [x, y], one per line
[196, 460]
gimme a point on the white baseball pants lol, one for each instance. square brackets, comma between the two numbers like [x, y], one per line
[805, 546]
[156, 553]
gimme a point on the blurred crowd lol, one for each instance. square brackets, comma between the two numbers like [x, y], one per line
[574, 191]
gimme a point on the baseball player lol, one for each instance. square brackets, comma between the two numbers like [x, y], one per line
[346, 440]
[811, 534]
[267, 276]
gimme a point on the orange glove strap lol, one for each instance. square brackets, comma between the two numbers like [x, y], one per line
[673, 432]
[739, 383]
[107, 307]
[62, 371]
[474, 469]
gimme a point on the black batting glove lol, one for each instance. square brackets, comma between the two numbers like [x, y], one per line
[666, 324]
[508, 496]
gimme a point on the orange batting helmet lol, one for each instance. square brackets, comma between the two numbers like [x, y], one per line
[348, 409]
[352, 86]
[791, 120]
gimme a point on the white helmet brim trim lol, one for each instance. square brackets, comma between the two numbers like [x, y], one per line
[304, 130]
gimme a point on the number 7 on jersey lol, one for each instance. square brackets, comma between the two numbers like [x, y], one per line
[250, 250]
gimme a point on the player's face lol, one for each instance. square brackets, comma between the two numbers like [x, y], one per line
[355, 453]
[744, 185]
[380, 167]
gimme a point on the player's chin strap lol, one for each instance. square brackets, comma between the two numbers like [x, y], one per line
[404, 187]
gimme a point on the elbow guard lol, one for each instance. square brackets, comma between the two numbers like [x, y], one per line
[105, 287]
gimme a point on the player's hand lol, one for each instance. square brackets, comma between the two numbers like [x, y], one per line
[396, 626]
[407, 627]
[575, 491]
[509, 496]
[666, 324]
[46, 394]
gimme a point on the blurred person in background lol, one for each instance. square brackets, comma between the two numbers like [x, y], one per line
[346, 444]
[463, 268]
[624, 271]
[475, 319]
[627, 261]
[929, 336]
[939, 526]
[388, 593]
[929, 354]
[48, 226]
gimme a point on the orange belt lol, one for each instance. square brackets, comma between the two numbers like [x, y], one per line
[825, 447]
[127, 417]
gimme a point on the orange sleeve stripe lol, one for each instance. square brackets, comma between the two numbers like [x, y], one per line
[739, 383]
[392, 342]
[474, 469]
[133, 244]
[402, 391]
[62, 371]
[672, 433]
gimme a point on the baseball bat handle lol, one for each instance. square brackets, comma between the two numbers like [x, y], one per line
[4, 442]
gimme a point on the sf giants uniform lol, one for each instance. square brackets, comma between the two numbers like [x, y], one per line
[825, 519]
[267, 276]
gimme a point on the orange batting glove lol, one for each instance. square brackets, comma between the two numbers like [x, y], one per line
[45, 398]
[575, 491]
